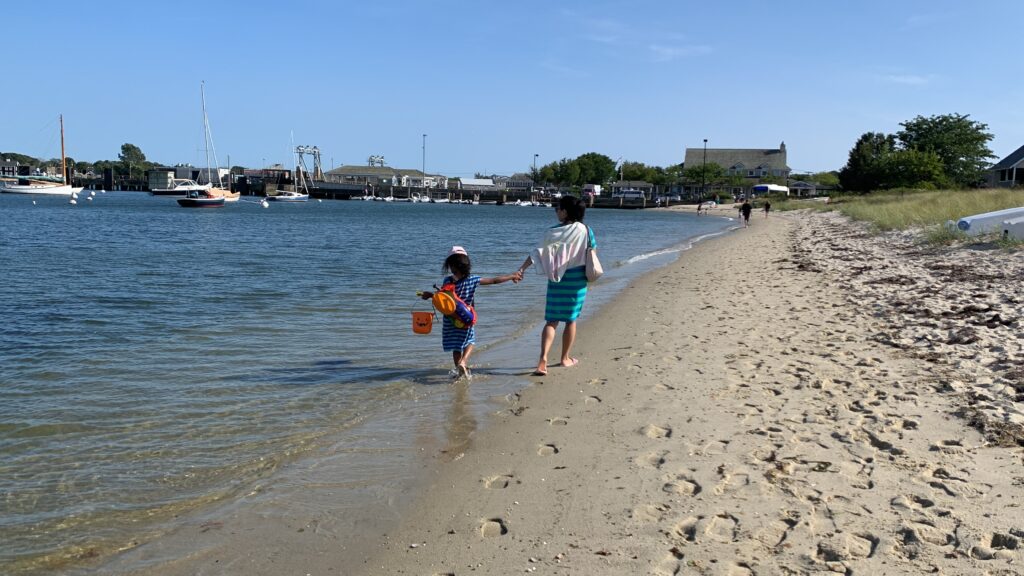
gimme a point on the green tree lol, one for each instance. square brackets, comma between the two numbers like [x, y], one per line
[863, 170]
[132, 159]
[961, 144]
[706, 173]
[594, 169]
[912, 169]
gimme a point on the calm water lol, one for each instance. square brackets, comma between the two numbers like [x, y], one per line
[156, 360]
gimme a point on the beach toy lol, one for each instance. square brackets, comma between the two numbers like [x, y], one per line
[448, 303]
[422, 322]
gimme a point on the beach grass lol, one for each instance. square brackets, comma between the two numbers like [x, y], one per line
[910, 209]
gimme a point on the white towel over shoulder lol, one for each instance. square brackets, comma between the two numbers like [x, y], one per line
[563, 247]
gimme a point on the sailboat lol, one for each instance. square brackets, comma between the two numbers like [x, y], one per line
[214, 195]
[43, 185]
[301, 191]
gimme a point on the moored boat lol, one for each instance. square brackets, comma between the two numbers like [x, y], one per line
[200, 199]
[180, 188]
[41, 186]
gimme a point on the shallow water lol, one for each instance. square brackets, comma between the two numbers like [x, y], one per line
[156, 361]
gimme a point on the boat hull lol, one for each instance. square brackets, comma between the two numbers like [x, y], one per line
[201, 202]
[40, 189]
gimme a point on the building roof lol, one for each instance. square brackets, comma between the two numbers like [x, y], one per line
[1010, 161]
[379, 171]
[749, 158]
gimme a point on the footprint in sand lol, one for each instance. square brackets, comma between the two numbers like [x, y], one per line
[723, 527]
[997, 546]
[547, 450]
[560, 421]
[498, 482]
[687, 529]
[650, 513]
[592, 400]
[652, 431]
[775, 533]
[740, 569]
[652, 460]
[493, 528]
[683, 485]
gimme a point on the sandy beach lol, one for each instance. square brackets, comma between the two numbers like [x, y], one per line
[792, 398]
[795, 397]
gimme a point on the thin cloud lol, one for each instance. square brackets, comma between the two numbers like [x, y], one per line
[907, 79]
[662, 53]
[564, 70]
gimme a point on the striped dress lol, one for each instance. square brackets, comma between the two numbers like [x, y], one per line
[452, 338]
[565, 298]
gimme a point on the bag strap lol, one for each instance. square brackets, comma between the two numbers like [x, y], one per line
[590, 243]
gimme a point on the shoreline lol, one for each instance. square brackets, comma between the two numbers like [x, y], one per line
[742, 420]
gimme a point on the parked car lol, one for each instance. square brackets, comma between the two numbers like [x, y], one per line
[628, 194]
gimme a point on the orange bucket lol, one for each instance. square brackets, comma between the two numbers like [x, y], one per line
[422, 322]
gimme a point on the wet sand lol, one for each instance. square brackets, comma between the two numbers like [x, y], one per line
[796, 397]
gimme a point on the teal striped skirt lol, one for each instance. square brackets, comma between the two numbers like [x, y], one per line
[565, 298]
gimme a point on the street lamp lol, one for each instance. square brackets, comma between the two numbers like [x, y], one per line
[703, 171]
[535, 170]
[424, 166]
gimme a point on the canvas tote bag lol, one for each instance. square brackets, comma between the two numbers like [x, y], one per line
[594, 269]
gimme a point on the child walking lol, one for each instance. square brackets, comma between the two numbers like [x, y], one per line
[459, 342]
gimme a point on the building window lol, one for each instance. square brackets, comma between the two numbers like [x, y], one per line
[750, 173]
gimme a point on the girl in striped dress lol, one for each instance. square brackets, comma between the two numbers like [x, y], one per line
[562, 258]
[458, 341]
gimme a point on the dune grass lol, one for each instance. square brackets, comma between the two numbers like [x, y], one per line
[928, 210]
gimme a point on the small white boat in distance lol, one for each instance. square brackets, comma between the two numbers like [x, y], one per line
[987, 222]
[288, 196]
[179, 188]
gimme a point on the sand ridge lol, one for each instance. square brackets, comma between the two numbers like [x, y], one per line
[736, 412]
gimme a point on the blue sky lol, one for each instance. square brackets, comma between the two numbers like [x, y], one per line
[493, 83]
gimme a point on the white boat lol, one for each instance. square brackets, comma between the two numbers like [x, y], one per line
[1014, 228]
[288, 196]
[180, 188]
[40, 186]
[987, 222]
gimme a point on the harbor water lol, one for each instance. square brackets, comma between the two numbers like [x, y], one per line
[157, 362]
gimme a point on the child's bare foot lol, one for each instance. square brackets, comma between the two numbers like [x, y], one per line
[542, 369]
[464, 372]
[570, 362]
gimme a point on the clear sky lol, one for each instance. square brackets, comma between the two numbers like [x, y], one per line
[492, 83]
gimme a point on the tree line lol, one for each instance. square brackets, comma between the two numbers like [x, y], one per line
[131, 162]
[944, 151]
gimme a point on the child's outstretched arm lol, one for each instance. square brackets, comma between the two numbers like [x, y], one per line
[515, 277]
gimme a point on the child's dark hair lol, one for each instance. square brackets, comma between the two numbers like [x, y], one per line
[457, 264]
[574, 208]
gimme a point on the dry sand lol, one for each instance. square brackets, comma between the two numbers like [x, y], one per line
[783, 400]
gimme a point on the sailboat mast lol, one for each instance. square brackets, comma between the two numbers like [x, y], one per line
[63, 157]
[206, 132]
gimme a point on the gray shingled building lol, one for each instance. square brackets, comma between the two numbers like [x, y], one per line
[752, 164]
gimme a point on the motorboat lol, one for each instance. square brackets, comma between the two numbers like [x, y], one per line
[180, 187]
[200, 199]
[288, 196]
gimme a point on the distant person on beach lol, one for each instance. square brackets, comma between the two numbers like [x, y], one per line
[562, 257]
[458, 341]
[745, 210]
[699, 206]
[767, 208]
